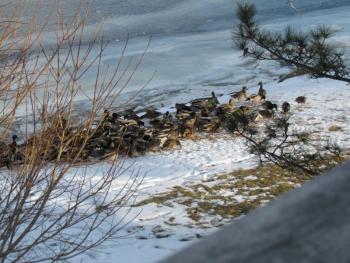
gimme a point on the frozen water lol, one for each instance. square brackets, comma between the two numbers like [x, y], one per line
[191, 51]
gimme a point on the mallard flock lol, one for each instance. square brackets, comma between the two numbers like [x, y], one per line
[132, 134]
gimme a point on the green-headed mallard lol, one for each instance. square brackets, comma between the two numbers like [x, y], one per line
[268, 105]
[213, 101]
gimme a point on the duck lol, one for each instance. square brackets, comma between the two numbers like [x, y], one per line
[266, 114]
[256, 98]
[104, 142]
[182, 107]
[17, 155]
[240, 95]
[106, 116]
[228, 106]
[130, 114]
[115, 117]
[10, 152]
[127, 145]
[209, 102]
[268, 105]
[213, 101]
[151, 113]
[140, 147]
[14, 144]
[172, 141]
[262, 91]
[205, 112]
[245, 51]
[190, 121]
[285, 107]
[153, 144]
[244, 110]
[221, 113]
[115, 128]
[243, 115]
[210, 125]
[133, 122]
[188, 133]
[300, 100]
[173, 134]
[183, 114]
[171, 144]
[187, 127]
[116, 142]
[99, 147]
[3, 152]
[157, 123]
[167, 117]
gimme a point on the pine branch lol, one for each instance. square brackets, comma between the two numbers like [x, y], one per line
[308, 52]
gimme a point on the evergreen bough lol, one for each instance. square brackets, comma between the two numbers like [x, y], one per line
[306, 52]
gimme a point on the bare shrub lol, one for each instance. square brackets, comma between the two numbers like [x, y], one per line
[53, 208]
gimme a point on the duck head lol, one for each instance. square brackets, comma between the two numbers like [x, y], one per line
[106, 113]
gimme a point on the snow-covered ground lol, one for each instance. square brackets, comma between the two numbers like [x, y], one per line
[155, 233]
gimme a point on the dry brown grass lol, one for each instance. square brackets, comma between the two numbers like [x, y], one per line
[217, 196]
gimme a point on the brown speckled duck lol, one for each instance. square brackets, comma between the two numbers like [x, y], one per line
[240, 95]
[266, 114]
[172, 141]
[151, 113]
[256, 98]
[300, 100]
[285, 107]
[262, 91]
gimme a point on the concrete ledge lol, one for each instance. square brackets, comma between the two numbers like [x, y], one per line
[309, 224]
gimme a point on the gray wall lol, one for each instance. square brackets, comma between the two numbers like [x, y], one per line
[309, 224]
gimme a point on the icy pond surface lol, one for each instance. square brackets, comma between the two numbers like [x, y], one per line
[191, 51]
